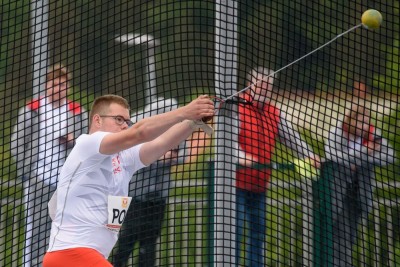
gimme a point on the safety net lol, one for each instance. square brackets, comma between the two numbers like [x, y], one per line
[297, 167]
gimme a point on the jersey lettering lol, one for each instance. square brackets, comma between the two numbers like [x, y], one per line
[117, 209]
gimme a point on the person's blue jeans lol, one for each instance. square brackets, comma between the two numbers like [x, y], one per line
[250, 208]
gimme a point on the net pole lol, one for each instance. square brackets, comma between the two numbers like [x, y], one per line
[39, 40]
[224, 192]
[151, 82]
[323, 224]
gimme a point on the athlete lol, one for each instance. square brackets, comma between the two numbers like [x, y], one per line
[92, 196]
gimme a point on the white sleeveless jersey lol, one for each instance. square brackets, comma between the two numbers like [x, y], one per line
[87, 185]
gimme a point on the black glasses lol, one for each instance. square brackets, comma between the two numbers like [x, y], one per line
[119, 119]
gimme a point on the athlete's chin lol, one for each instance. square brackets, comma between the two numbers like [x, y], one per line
[119, 130]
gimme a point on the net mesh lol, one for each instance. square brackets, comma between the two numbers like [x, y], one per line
[301, 169]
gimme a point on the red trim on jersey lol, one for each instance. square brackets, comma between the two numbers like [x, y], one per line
[34, 104]
[370, 136]
[74, 107]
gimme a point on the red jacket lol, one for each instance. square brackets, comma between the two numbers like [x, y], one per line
[257, 136]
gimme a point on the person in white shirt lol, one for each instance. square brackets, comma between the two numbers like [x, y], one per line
[42, 136]
[92, 196]
[354, 147]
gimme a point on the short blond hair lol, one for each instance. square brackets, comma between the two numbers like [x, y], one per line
[57, 71]
[102, 104]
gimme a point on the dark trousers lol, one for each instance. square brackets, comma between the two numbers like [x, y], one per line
[142, 224]
[38, 223]
[351, 202]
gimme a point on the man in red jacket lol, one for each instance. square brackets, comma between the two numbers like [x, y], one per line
[261, 124]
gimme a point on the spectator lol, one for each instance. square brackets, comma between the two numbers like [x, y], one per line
[45, 129]
[261, 124]
[91, 200]
[149, 189]
[355, 146]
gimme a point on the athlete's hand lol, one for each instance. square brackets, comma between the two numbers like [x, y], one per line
[201, 107]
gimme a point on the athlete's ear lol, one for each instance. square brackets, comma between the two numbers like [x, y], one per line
[97, 122]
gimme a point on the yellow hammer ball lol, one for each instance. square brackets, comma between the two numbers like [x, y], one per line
[371, 19]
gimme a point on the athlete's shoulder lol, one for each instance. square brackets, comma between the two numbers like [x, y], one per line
[91, 139]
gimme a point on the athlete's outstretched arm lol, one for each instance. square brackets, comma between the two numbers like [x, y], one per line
[150, 128]
[153, 150]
